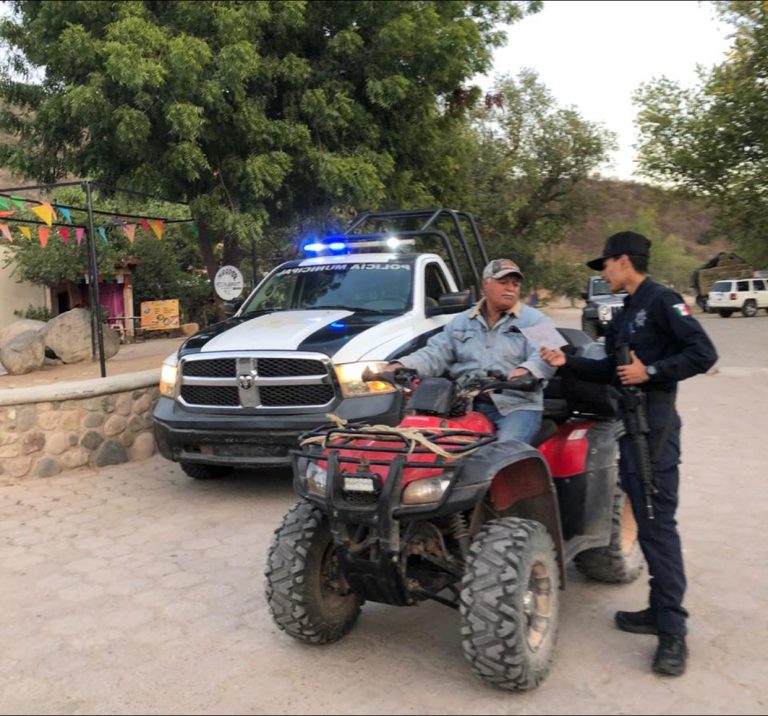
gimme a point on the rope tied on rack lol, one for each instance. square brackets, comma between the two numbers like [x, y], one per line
[412, 436]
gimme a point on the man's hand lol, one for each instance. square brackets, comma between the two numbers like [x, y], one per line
[391, 367]
[552, 356]
[633, 373]
[517, 372]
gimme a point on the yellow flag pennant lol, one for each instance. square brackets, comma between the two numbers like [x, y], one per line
[26, 231]
[157, 227]
[44, 212]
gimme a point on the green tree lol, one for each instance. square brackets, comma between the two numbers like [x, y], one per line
[712, 140]
[266, 116]
[530, 162]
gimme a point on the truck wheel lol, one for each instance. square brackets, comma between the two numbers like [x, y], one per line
[198, 471]
[591, 329]
[621, 561]
[725, 312]
[306, 591]
[510, 603]
[749, 309]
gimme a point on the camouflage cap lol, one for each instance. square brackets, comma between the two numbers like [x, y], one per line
[501, 267]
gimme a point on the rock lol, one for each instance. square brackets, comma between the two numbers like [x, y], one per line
[17, 327]
[110, 452]
[23, 353]
[68, 337]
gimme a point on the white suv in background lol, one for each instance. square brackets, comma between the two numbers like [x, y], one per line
[738, 294]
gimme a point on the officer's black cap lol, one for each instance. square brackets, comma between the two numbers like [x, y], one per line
[625, 242]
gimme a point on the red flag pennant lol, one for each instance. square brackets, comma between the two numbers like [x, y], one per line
[130, 231]
[158, 227]
[43, 232]
[6, 214]
[64, 233]
[79, 231]
[6, 232]
[145, 225]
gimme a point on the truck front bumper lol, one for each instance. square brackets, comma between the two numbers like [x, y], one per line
[254, 440]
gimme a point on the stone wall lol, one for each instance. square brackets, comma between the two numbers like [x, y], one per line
[45, 430]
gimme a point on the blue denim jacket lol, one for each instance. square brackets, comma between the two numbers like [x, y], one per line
[467, 347]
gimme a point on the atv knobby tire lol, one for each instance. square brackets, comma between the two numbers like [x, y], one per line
[510, 600]
[622, 560]
[306, 592]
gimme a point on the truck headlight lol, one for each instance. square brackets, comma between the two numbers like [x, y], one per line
[317, 478]
[352, 384]
[604, 313]
[422, 492]
[169, 372]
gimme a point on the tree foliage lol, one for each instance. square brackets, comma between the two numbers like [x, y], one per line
[530, 161]
[713, 139]
[264, 115]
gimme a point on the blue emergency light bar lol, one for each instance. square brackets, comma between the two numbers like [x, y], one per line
[338, 246]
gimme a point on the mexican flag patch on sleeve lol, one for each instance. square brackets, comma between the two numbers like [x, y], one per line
[682, 309]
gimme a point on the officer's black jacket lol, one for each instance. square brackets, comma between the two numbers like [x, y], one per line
[657, 324]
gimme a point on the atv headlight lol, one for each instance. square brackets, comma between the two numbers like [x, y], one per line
[352, 384]
[317, 478]
[169, 372]
[604, 313]
[422, 492]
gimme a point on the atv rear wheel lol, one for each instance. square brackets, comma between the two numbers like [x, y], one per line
[306, 591]
[622, 560]
[510, 603]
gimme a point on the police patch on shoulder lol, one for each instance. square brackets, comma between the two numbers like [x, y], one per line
[682, 309]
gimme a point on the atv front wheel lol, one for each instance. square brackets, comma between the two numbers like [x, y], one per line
[200, 471]
[306, 591]
[510, 603]
[621, 561]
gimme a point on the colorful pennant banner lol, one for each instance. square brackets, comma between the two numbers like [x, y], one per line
[79, 231]
[130, 230]
[44, 212]
[157, 227]
[64, 233]
[26, 231]
[4, 203]
[18, 202]
[103, 233]
[6, 232]
[42, 233]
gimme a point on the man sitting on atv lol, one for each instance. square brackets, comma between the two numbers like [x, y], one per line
[487, 338]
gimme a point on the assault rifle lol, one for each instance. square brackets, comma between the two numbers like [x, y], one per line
[636, 425]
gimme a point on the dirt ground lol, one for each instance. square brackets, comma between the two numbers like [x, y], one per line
[134, 589]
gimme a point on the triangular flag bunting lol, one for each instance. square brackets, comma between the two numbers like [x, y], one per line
[64, 233]
[6, 214]
[18, 202]
[103, 233]
[44, 212]
[6, 232]
[4, 203]
[195, 230]
[65, 213]
[157, 227]
[145, 225]
[130, 230]
[26, 231]
[79, 231]
[42, 234]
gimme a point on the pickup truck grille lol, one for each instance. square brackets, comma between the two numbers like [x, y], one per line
[256, 381]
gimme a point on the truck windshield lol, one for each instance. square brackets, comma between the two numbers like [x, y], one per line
[374, 287]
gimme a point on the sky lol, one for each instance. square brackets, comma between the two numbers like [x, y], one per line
[594, 55]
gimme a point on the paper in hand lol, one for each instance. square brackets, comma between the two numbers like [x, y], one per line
[544, 335]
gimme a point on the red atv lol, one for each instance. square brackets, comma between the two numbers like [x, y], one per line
[437, 508]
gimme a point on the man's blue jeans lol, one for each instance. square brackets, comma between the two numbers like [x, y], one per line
[518, 425]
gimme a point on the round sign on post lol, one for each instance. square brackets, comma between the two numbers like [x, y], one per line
[228, 283]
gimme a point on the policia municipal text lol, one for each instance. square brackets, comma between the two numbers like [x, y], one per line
[664, 344]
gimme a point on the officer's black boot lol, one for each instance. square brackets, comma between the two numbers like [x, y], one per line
[671, 655]
[642, 622]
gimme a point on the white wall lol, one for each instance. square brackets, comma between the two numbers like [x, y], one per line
[17, 296]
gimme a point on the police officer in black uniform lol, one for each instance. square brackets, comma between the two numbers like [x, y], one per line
[666, 344]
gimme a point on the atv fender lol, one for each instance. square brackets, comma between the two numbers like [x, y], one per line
[516, 478]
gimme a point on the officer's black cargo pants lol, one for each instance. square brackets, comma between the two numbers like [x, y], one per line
[659, 538]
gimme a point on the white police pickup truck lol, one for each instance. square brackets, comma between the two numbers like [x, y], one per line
[240, 392]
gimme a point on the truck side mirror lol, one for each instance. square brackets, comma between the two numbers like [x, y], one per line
[584, 295]
[453, 302]
[231, 308]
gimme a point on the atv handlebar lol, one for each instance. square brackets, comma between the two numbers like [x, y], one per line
[402, 377]
[492, 381]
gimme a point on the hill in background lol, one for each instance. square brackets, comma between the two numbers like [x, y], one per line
[615, 205]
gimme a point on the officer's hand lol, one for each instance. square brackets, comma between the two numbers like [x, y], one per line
[633, 373]
[391, 367]
[517, 372]
[552, 356]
